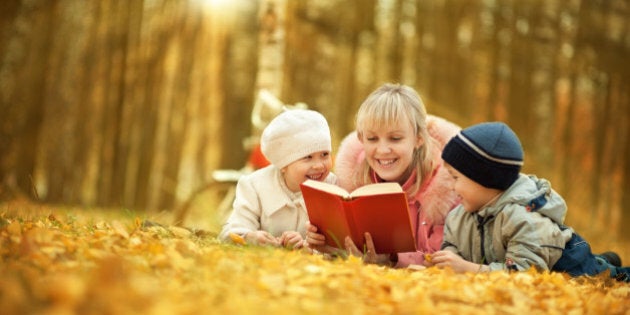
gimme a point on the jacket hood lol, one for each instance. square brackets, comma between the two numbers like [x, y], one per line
[536, 195]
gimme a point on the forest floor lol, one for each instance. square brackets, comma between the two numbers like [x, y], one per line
[60, 260]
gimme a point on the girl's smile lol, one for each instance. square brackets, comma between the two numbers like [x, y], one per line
[315, 166]
[317, 176]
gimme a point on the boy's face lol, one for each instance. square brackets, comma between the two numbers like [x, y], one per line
[315, 166]
[389, 150]
[474, 196]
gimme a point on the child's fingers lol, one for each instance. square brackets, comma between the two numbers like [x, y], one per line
[310, 227]
[294, 242]
[290, 238]
[428, 259]
[443, 258]
[435, 258]
[285, 236]
[266, 238]
[315, 238]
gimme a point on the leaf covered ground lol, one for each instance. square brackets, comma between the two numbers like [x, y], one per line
[77, 261]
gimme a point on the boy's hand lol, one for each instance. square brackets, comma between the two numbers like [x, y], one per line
[445, 258]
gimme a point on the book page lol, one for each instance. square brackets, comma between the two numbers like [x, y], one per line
[377, 189]
[323, 186]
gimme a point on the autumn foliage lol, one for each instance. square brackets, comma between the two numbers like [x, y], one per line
[65, 261]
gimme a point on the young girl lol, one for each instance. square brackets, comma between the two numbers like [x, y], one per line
[269, 208]
[396, 141]
[508, 220]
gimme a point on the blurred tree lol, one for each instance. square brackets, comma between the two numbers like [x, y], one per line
[135, 103]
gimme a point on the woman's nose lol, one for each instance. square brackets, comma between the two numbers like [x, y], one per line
[382, 148]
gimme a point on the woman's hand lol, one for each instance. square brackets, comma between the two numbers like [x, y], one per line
[369, 256]
[445, 258]
[291, 239]
[261, 238]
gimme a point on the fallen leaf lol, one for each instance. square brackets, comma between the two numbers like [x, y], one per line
[237, 239]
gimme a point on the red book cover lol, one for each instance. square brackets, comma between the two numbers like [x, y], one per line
[380, 209]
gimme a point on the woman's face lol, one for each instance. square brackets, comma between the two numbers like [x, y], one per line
[389, 151]
[315, 166]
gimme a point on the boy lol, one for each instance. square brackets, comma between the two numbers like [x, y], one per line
[508, 220]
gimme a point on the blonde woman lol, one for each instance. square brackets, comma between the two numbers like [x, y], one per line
[396, 141]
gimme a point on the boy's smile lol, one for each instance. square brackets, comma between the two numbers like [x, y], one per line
[473, 195]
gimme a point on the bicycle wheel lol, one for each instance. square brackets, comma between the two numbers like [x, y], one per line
[208, 207]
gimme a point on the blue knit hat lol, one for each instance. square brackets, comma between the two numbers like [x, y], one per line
[488, 153]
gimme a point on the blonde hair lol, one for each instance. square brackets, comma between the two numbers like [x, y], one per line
[392, 105]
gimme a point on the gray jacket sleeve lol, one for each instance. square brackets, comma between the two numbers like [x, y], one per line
[454, 230]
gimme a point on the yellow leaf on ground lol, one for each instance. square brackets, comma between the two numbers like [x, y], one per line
[14, 228]
[237, 239]
[120, 229]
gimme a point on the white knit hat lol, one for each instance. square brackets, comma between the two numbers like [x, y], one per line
[294, 134]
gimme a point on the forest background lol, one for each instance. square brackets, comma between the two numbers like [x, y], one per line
[133, 104]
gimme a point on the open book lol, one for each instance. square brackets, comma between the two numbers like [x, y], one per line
[380, 209]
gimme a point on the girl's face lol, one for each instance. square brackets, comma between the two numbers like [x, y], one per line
[389, 151]
[473, 195]
[315, 166]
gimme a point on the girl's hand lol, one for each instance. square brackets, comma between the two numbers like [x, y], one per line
[313, 238]
[444, 258]
[370, 256]
[291, 239]
[316, 241]
[261, 238]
